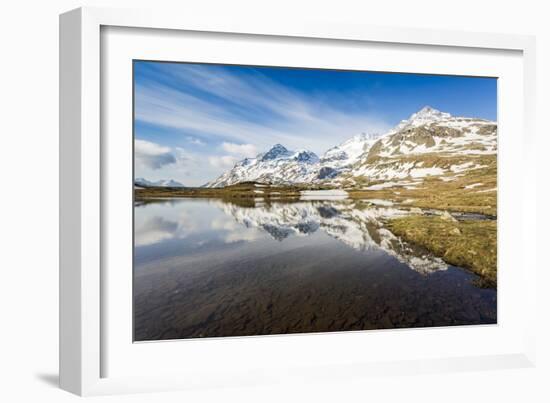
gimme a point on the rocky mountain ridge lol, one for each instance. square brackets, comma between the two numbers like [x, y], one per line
[428, 143]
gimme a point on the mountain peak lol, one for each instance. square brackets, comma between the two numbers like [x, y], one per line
[425, 115]
[348, 152]
[306, 156]
[278, 147]
[428, 109]
[427, 112]
[276, 151]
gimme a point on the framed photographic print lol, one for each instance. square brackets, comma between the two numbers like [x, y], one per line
[262, 208]
[237, 198]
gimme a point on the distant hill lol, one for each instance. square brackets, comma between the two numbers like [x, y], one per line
[142, 182]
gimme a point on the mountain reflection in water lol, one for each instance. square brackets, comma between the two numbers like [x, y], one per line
[206, 268]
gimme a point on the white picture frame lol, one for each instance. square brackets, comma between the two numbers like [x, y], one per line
[82, 196]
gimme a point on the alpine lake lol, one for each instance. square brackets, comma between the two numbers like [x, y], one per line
[213, 267]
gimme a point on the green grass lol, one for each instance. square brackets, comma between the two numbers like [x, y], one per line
[468, 244]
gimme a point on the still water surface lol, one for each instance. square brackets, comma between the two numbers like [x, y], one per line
[208, 268]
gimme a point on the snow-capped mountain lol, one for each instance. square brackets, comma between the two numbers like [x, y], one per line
[142, 182]
[428, 143]
[278, 165]
[424, 116]
[282, 166]
[348, 153]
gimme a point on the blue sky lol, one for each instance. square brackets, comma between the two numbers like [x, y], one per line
[194, 121]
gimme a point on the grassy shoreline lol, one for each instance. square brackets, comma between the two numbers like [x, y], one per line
[470, 244]
[442, 199]
[249, 190]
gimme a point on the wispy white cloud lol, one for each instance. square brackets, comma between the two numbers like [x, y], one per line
[245, 150]
[223, 161]
[240, 109]
[241, 115]
[196, 141]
